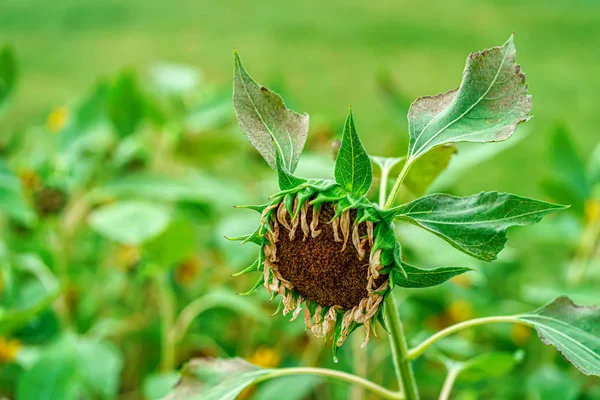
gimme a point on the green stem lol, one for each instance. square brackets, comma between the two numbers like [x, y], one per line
[420, 349]
[398, 184]
[404, 372]
[166, 308]
[449, 383]
[342, 376]
[402, 365]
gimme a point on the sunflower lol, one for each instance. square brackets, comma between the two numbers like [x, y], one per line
[329, 254]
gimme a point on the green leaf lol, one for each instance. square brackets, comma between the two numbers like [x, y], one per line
[487, 107]
[156, 386]
[568, 164]
[424, 171]
[12, 201]
[73, 368]
[126, 105]
[550, 382]
[573, 330]
[353, 170]
[289, 388]
[424, 278]
[130, 222]
[215, 379]
[263, 118]
[190, 187]
[594, 166]
[476, 224]
[8, 74]
[386, 163]
[285, 178]
[489, 365]
[174, 245]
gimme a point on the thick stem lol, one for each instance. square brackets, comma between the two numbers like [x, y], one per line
[342, 376]
[449, 383]
[420, 349]
[404, 372]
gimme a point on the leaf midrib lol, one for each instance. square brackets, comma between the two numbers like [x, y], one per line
[417, 153]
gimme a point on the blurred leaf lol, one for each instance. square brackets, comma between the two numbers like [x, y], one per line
[487, 107]
[594, 166]
[549, 382]
[467, 157]
[130, 222]
[175, 79]
[423, 278]
[215, 379]
[288, 388]
[263, 117]
[353, 170]
[574, 331]
[476, 224]
[8, 74]
[86, 114]
[192, 187]
[489, 365]
[215, 112]
[425, 170]
[395, 97]
[126, 105]
[12, 201]
[176, 244]
[33, 296]
[568, 164]
[156, 386]
[73, 368]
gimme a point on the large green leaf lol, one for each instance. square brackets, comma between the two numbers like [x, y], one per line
[476, 224]
[574, 331]
[8, 74]
[73, 368]
[263, 117]
[215, 379]
[353, 170]
[423, 278]
[490, 102]
[130, 222]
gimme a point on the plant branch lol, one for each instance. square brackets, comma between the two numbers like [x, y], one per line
[404, 372]
[398, 183]
[339, 375]
[415, 352]
[449, 383]
[166, 309]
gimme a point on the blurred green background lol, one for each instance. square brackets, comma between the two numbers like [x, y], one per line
[175, 147]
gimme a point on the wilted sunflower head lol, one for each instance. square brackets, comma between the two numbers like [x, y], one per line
[328, 254]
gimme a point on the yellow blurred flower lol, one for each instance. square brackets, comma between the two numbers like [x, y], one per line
[592, 211]
[57, 119]
[460, 310]
[462, 280]
[188, 270]
[127, 257]
[29, 179]
[520, 334]
[265, 357]
[8, 350]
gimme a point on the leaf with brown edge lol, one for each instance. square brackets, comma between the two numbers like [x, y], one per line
[264, 119]
[572, 329]
[215, 379]
[487, 107]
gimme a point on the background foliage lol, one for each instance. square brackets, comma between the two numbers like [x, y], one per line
[118, 172]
